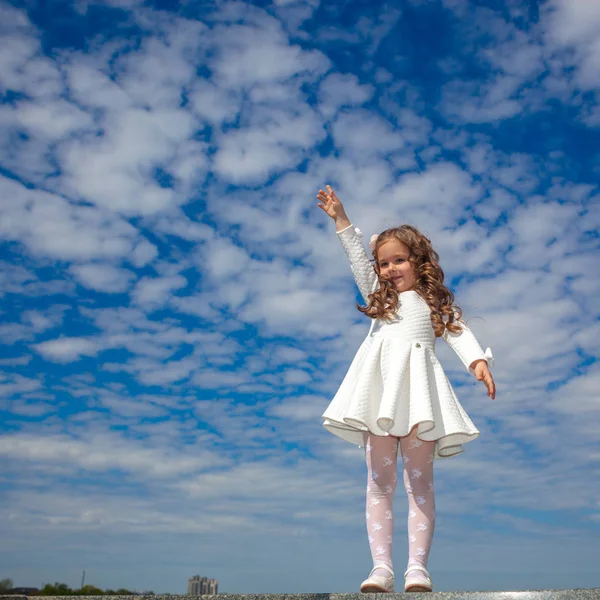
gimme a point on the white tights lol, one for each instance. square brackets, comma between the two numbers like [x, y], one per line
[417, 457]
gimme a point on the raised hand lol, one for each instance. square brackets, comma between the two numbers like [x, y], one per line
[483, 373]
[333, 207]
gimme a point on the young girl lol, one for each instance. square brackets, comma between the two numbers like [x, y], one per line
[395, 396]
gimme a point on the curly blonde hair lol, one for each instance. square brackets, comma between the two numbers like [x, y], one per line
[424, 260]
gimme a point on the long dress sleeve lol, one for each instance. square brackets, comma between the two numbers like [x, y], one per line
[362, 268]
[467, 347]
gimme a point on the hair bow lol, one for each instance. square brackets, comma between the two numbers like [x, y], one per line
[373, 241]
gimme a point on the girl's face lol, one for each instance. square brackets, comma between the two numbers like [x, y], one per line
[392, 257]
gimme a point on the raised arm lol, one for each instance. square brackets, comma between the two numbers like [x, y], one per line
[351, 240]
[362, 269]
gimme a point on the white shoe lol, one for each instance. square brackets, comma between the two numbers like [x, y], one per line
[416, 579]
[378, 583]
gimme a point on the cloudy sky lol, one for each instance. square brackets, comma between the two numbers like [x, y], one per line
[176, 312]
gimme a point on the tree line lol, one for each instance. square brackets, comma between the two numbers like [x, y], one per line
[62, 589]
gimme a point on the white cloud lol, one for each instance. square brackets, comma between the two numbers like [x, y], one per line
[482, 103]
[31, 408]
[92, 87]
[16, 52]
[442, 188]
[301, 408]
[53, 120]
[143, 253]
[553, 59]
[573, 22]
[213, 103]
[152, 373]
[128, 407]
[274, 140]
[18, 280]
[540, 228]
[101, 452]
[156, 291]
[583, 387]
[49, 225]
[65, 349]
[360, 133]
[13, 18]
[224, 259]
[33, 322]
[296, 377]
[16, 385]
[260, 53]
[338, 90]
[42, 321]
[292, 310]
[103, 277]
[115, 171]
[82, 5]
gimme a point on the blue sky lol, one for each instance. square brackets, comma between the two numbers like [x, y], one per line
[176, 312]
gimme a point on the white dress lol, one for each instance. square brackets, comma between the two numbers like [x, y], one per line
[395, 380]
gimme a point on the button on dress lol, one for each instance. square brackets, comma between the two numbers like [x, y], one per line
[395, 381]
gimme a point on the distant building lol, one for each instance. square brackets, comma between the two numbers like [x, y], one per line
[200, 586]
[23, 591]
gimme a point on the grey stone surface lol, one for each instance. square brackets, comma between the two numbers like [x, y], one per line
[588, 594]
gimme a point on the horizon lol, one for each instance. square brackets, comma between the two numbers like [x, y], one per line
[177, 311]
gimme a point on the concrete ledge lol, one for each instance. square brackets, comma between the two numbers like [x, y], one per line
[589, 594]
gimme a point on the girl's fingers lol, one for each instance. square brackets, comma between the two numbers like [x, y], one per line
[327, 201]
[488, 381]
[333, 194]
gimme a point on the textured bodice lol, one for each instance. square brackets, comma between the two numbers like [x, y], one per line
[412, 323]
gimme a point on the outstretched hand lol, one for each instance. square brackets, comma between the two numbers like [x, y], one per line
[332, 206]
[483, 373]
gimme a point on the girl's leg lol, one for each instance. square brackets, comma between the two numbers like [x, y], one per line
[381, 454]
[417, 457]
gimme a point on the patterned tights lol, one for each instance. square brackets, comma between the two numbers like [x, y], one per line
[417, 457]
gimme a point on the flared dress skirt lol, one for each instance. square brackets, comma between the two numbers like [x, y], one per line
[393, 385]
